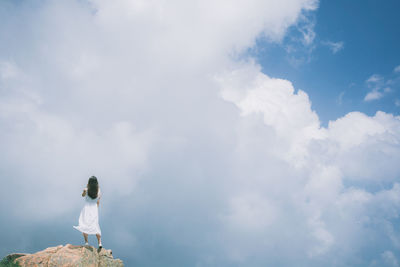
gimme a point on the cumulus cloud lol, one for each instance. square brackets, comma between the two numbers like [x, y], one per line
[264, 95]
[333, 156]
[203, 159]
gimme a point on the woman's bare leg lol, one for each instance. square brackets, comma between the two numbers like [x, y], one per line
[86, 237]
[99, 239]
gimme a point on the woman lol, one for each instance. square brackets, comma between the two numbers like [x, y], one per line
[89, 217]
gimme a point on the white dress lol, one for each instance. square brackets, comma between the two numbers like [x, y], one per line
[89, 217]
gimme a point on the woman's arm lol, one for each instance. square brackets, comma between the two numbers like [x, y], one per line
[98, 197]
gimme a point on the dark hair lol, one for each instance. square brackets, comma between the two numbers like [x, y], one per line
[93, 187]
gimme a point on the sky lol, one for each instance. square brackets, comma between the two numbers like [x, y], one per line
[222, 133]
[367, 35]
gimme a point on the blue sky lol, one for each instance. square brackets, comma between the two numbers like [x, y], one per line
[222, 133]
[370, 32]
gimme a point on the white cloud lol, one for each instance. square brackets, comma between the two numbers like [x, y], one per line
[251, 213]
[378, 87]
[375, 78]
[307, 30]
[334, 46]
[299, 43]
[332, 156]
[353, 129]
[397, 69]
[390, 259]
[340, 98]
[373, 95]
[295, 121]
[8, 70]
[195, 150]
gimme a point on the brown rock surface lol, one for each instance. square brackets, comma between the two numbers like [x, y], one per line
[69, 256]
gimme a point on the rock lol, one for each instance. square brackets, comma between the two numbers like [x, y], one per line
[68, 256]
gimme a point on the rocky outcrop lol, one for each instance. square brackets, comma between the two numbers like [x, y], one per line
[67, 256]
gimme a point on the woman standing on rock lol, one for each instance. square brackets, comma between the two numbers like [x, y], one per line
[89, 217]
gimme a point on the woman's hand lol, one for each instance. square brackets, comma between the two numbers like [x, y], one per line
[84, 192]
[98, 202]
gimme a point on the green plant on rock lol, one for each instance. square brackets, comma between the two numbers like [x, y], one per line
[9, 262]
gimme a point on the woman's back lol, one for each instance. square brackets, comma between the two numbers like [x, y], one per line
[92, 200]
